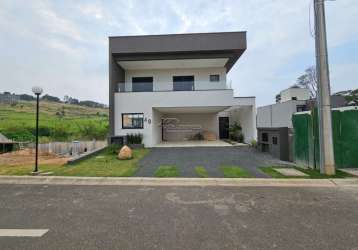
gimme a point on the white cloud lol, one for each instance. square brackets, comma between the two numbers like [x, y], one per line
[68, 41]
[92, 9]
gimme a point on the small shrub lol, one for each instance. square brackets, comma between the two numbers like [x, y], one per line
[240, 138]
[253, 143]
[134, 138]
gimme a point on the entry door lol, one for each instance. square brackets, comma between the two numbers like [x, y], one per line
[224, 127]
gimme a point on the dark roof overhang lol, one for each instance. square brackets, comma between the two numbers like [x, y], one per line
[229, 45]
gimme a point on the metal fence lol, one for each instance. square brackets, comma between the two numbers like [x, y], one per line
[345, 137]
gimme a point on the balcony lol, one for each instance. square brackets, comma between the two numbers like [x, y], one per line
[137, 101]
[125, 87]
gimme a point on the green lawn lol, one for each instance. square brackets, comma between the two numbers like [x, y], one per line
[312, 173]
[201, 172]
[103, 164]
[166, 171]
[234, 172]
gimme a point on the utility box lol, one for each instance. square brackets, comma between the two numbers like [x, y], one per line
[275, 141]
[118, 140]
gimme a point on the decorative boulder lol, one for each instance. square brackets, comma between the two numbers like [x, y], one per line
[209, 136]
[125, 153]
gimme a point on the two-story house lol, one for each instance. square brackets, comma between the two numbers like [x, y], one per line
[172, 87]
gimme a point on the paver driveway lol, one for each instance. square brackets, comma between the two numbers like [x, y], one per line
[186, 159]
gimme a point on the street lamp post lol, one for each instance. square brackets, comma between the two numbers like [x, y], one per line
[37, 91]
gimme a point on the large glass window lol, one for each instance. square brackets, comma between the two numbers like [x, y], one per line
[142, 84]
[183, 83]
[132, 120]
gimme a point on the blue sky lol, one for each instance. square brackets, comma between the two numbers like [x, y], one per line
[63, 45]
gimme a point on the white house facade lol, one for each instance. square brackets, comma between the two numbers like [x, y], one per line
[174, 87]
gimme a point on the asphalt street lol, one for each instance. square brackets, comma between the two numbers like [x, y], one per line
[140, 217]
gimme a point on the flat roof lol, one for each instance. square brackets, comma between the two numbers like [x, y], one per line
[229, 45]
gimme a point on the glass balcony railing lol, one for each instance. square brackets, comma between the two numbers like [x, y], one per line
[172, 86]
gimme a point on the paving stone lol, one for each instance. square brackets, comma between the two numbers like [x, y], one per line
[290, 172]
[352, 171]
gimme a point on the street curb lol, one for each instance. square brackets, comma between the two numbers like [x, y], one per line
[149, 181]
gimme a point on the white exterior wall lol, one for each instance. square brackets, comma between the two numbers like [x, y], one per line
[277, 115]
[163, 78]
[156, 126]
[144, 102]
[299, 93]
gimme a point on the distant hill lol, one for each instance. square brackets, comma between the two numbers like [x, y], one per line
[58, 121]
[7, 97]
[351, 96]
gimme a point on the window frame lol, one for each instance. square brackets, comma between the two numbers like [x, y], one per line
[136, 79]
[177, 81]
[274, 140]
[123, 127]
[214, 76]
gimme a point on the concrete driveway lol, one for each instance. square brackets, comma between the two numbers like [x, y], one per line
[186, 159]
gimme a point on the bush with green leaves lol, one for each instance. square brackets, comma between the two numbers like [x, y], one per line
[134, 138]
[235, 132]
[19, 134]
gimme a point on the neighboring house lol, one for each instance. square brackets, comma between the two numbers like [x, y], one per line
[279, 114]
[293, 93]
[172, 87]
[274, 122]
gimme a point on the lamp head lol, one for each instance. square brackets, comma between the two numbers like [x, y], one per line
[37, 90]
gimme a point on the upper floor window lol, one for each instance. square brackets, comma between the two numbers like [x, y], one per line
[214, 78]
[183, 83]
[294, 98]
[142, 84]
[132, 120]
[300, 108]
[274, 140]
[264, 137]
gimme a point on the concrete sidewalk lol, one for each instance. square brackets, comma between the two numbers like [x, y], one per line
[149, 181]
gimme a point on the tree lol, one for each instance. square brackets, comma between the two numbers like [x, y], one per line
[309, 80]
[50, 98]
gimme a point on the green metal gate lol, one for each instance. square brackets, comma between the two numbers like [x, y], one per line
[345, 137]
